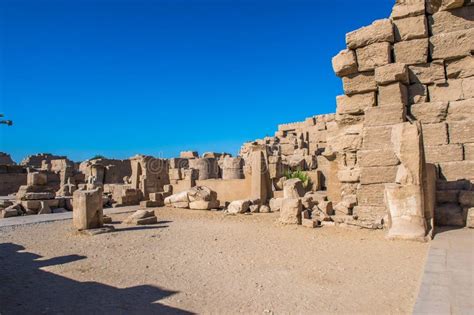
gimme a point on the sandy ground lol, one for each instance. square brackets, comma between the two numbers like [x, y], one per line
[206, 262]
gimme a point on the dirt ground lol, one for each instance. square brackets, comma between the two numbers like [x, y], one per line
[206, 262]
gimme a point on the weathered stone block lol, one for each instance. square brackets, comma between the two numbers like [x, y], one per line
[403, 9]
[359, 83]
[395, 93]
[460, 68]
[452, 171]
[373, 56]
[349, 175]
[417, 93]
[355, 104]
[87, 213]
[385, 115]
[468, 88]
[371, 158]
[411, 52]
[452, 45]
[461, 110]
[469, 151]
[369, 214]
[375, 138]
[461, 131]
[427, 113]
[344, 63]
[291, 211]
[435, 134]
[293, 188]
[378, 31]
[427, 73]
[451, 21]
[378, 175]
[394, 72]
[433, 6]
[444, 153]
[450, 91]
[36, 179]
[411, 28]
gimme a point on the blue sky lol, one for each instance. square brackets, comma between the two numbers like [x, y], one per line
[87, 77]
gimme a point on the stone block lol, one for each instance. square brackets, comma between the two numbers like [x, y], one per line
[309, 223]
[355, 104]
[359, 83]
[175, 174]
[39, 196]
[460, 68]
[403, 9]
[293, 188]
[378, 175]
[373, 56]
[36, 179]
[433, 6]
[369, 214]
[450, 91]
[469, 151]
[451, 21]
[384, 115]
[391, 73]
[381, 157]
[417, 93]
[462, 184]
[326, 207]
[435, 134]
[461, 131]
[291, 211]
[375, 138]
[415, 27]
[427, 73]
[344, 63]
[470, 218]
[452, 45]
[395, 93]
[444, 153]
[379, 31]
[459, 170]
[433, 112]
[461, 110]
[239, 206]
[468, 88]
[348, 175]
[189, 154]
[411, 52]
[449, 214]
[87, 213]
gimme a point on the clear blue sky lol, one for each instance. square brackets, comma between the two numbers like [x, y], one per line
[86, 77]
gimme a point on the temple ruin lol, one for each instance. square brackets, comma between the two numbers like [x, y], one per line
[397, 154]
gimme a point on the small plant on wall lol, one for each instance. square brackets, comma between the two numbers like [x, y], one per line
[300, 175]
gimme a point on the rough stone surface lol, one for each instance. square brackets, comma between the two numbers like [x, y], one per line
[449, 215]
[355, 104]
[433, 112]
[444, 153]
[359, 83]
[370, 158]
[461, 110]
[239, 206]
[344, 63]
[461, 131]
[451, 21]
[417, 93]
[435, 134]
[395, 93]
[87, 205]
[394, 72]
[452, 45]
[373, 56]
[460, 68]
[450, 91]
[378, 31]
[291, 211]
[411, 28]
[459, 170]
[293, 188]
[411, 52]
[384, 115]
[427, 73]
[377, 175]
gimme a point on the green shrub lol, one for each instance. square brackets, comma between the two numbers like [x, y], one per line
[300, 175]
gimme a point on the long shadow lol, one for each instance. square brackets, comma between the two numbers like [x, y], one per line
[140, 227]
[26, 289]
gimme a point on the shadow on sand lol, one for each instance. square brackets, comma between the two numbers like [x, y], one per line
[26, 289]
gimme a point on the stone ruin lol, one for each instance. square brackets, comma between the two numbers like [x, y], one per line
[398, 153]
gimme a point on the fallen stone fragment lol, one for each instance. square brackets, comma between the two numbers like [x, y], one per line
[309, 223]
[141, 217]
[238, 206]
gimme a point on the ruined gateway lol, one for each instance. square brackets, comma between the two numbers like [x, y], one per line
[397, 154]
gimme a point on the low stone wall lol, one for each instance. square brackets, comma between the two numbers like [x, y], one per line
[228, 189]
[11, 178]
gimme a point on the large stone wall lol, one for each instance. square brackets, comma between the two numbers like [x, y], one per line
[11, 178]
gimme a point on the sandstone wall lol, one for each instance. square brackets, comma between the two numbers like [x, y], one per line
[11, 178]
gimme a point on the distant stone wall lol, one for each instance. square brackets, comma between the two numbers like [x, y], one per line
[36, 161]
[11, 178]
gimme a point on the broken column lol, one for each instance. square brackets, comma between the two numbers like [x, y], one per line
[260, 178]
[405, 198]
[87, 213]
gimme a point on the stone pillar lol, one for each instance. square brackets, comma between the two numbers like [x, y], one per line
[260, 178]
[405, 199]
[87, 209]
[232, 168]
